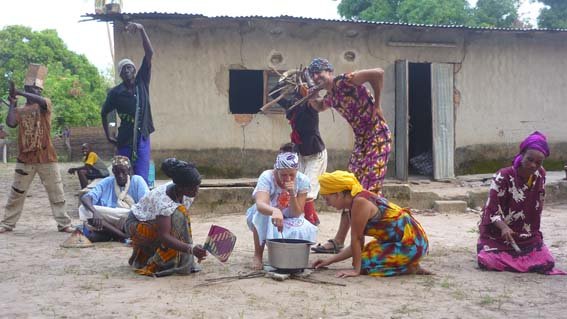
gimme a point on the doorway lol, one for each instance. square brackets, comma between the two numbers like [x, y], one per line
[420, 136]
[424, 120]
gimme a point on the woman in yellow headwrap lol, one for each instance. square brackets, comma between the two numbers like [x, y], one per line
[399, 240]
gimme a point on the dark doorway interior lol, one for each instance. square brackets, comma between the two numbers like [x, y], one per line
[420, 121]
[246, 91]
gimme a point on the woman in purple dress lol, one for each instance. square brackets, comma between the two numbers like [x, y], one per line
[347, 94]
[510, 236]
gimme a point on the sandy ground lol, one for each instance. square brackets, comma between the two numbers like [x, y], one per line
[38, 279]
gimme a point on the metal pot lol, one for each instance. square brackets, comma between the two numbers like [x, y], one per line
[288, 254]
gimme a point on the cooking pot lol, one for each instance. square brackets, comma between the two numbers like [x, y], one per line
[288, 254]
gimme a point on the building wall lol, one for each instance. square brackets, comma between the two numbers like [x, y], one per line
[509, 84]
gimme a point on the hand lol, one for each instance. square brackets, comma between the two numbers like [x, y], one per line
[320, 263]
[348, 273]
[71, 170]
[277, 219]
[113, 141]
[507, 234]
[290, 187]
[199, 252]
[132, 27]
[314, 91]
[96, 221]
[12, 90]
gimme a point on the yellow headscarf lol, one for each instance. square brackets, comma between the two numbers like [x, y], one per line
[339, 181]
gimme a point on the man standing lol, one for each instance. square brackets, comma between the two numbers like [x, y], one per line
[93, 167]
[105, 208]
[131, 100]
[36, 153]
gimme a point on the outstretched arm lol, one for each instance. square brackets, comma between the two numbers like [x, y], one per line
[148, 49]
[265, 208]
[376, 79]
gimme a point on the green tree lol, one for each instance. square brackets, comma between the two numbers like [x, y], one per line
[487, 13]
[75, 86]
[372, 10]
[451, 12]
[496, 13]
[553, 15]
[409, 11]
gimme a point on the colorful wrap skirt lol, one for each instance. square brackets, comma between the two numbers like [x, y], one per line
[150, 256]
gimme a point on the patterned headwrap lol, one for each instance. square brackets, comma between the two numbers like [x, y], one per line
[287, 160]
[535, 141]
[120, 160]
[339, 181]
[319, 65]
[123, 63]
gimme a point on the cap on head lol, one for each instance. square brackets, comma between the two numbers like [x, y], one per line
[319, 65]
[123, 63]
[120, 160]
[36, 75]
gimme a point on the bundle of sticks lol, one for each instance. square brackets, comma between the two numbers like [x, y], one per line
[294, 85]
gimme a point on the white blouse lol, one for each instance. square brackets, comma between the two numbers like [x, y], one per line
[158, 203]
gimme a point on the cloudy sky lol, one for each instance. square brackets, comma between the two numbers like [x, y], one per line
[91, 38]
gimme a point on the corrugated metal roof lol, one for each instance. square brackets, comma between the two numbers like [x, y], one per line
[176, 15]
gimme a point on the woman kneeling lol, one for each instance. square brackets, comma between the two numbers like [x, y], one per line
[160, 227]
[399, 240]
[510, 237]
[280, 196]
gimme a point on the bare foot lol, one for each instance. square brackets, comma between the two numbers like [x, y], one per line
[418, 270]
[257, 264]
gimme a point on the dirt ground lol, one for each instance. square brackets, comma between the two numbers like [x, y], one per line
[38, 279]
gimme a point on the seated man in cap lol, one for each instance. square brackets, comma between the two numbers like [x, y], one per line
[131, 101]
[93, 167]
[105, 208]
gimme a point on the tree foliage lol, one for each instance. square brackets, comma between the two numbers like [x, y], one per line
[553, 15]
[496, 13]
[75, 86]
[487, 13]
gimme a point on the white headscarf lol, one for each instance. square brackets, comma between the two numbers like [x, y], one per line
[287, 160]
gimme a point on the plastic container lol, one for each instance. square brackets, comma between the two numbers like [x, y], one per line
[152, 175]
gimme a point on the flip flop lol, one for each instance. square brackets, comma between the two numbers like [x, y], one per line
[321, 249]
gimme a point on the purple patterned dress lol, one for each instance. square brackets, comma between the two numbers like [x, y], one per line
[372, 137]
[519, 204]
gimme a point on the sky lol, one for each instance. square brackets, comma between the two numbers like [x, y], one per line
[92, 38]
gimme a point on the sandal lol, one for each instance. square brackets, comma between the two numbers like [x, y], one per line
[321, 249]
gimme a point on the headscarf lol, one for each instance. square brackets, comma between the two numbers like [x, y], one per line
[120, 160]
[181, 172]
[535, 141]
[287, 160]
[339, 181]
[123, 63]
[319, 65]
